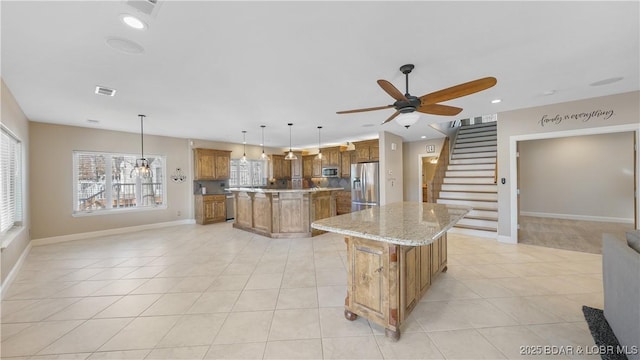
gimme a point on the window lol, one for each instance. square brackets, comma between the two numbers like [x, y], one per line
[250, 173]
[11, 181]
[107, 181]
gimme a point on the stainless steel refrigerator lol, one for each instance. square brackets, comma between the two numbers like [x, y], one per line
[365, 186]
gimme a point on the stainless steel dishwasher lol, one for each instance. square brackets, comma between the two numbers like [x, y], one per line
[229, 204]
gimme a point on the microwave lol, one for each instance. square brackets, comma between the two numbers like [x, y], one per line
[330, 171]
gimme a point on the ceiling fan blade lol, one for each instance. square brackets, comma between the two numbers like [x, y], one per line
[437, 109]
[391, 117]
[457, 91]
[391, 90]
[366, 109]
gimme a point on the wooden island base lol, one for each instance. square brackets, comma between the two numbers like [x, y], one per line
[386, 281]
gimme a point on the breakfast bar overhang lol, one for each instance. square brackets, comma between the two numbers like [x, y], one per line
[394, 252]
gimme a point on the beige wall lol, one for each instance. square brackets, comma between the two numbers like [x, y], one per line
[51, 183]
[51, 188]
[15, 120]
[391, 175]
[413, 152]
[578, 177]
[615, 113]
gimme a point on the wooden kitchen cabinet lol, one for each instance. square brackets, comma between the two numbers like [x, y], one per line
[343, 202]
[210, 164]
[331, 156]
[279, 168]
[346, 159]
[367, 150]
[386, 281]
[210, 209]
[312, 166]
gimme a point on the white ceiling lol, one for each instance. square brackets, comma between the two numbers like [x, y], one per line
[212, 69]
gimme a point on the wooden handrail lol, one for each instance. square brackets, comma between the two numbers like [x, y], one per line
[495, 174]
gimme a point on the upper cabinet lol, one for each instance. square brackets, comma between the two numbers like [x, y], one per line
[312, 166]
[210, 164]
[331, 156]
[367, 150]
[346, 158]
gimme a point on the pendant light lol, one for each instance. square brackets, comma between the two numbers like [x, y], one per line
[290, 155]
[263, 156]
[244, 144]
[319, 149]
[142, 165]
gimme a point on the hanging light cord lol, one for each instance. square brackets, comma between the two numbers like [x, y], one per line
[142, 135]
[263, 126]
[290, 125]
[319, 141]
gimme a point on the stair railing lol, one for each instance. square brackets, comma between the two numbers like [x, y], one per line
[434, 186]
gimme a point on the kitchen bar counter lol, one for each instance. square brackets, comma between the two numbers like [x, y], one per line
[282, 213]
[394, 252]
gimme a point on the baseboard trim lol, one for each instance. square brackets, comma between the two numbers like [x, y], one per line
[578, 217]
[14, 271]
[116, 231]
[506, 239]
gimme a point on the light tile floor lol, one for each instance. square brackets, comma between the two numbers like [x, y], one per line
[214, 292]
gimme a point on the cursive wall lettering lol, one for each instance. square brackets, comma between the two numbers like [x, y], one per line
[583, 116]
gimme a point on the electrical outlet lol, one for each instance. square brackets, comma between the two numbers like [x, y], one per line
[179, 213]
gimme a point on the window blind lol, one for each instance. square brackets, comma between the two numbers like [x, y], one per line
[11, 180]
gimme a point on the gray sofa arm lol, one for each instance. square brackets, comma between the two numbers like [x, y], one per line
[621, 280]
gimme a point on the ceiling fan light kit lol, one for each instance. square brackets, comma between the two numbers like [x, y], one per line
[407, 104]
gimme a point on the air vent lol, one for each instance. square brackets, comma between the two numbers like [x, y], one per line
[149, 7]
[101, 90]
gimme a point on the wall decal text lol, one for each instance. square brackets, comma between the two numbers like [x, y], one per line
[583, 116]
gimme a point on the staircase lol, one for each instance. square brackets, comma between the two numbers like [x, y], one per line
[470, 179]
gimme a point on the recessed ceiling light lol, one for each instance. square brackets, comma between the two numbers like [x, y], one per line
[93, 121]
[423, 137]
[133, 22]
[549, 92]
[607, 81]
[495, 101]
[368, 125]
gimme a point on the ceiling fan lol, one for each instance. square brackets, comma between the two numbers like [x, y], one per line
[428, 103]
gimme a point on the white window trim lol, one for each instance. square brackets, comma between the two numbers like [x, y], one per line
[7, 236]
[113, 211]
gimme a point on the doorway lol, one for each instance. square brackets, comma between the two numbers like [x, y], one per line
[427, 167]
[572, 189]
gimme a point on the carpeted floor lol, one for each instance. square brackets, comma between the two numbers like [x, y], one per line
[602, 334]
[576, 235]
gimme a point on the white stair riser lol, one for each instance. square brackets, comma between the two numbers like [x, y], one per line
[484, 223]
[469, 187]
[474, 204]
[476, 144]
[469, 173]
[474, 155]
[477, 149]
[491, 160]
[493, 133]
[458, 167]
[486, 180]
[468, 195]
[475, 129]
[471, 232]
[491, 214]
[477, 132]
[470, 139]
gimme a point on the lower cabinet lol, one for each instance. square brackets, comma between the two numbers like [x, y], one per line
[343, 202]
[386, 281]
[210, 209]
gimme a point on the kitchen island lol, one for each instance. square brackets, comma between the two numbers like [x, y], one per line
[282, 213]
[394, 252]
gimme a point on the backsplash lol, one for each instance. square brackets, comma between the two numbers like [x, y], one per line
[212, 186]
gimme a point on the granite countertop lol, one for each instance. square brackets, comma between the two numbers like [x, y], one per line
[403, 223]
[260, 190]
